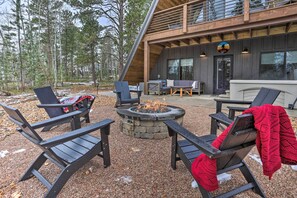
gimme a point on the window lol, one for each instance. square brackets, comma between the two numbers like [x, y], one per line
[278, 66]
[291, 65]
[180, 69]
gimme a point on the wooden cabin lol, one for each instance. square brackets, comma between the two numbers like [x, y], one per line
[215, 41]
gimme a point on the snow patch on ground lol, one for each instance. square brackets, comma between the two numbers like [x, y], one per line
[294, 167]
[256, 158]
[221, 178]
[194, 184]
[125, 179]
[18, 151]
[224, 177]
[3, 153]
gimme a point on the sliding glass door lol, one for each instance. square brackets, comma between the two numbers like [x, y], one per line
[180, 69]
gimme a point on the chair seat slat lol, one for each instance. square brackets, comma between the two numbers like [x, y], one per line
[85, 143]
[76, 147]
[90, 138]
[64, 156]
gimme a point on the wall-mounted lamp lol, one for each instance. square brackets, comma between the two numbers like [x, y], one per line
[202, 55]
[245, 51]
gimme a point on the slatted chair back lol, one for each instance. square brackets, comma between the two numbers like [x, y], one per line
[123, 87]
[47, 96]
[265, 96]
[240, 140]
[25, 128]
[28, 132]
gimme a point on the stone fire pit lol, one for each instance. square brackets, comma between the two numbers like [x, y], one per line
[148, 125]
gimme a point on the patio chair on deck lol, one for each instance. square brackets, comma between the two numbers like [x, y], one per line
[236, 145]
[220, 119]
[54, 107]
[69, 151]
[123, 94]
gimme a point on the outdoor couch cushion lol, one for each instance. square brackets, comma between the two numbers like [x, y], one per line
[170, 83]
[183, 83]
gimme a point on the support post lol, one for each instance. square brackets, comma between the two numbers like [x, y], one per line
[185, 18]
[146, 66]
[246, 15]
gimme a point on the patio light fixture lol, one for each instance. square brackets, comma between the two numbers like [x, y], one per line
[202, 55]
[245, 51]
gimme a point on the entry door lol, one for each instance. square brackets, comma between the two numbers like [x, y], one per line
[222, 73]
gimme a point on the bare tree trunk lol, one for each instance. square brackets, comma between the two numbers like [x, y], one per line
[49, 45]
[55, 61]
[18, 12]
[94, 77]
[121, 36]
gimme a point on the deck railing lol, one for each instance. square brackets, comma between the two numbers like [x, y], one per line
[195, 12]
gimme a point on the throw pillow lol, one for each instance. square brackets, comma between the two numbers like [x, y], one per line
[194, 85]
[170, 83]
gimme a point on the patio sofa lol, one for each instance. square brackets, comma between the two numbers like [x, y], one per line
[163, 86]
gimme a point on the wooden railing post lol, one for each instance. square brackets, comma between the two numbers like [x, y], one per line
[146, 65]
[246, 14]
[185, 18]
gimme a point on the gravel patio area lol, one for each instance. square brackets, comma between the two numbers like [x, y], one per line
[139, 167]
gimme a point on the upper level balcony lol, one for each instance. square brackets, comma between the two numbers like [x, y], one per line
[206, 17]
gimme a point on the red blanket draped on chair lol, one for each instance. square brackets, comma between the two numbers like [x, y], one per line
[76, 100]
[276, 143]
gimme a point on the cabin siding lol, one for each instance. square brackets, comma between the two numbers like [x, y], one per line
[245, 66]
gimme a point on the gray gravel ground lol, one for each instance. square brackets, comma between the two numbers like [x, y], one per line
[140, 168]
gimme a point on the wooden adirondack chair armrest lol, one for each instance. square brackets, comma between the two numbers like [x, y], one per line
[241, 109]
[232, 111]
[221, 118]
[220, 102]
[232, 101]
[208, 149]
[55, 105]
[53, 120]
[76, 133]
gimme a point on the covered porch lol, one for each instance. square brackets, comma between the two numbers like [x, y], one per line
[191, 31]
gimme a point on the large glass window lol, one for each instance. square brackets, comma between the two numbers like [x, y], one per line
[173, 69]
[278, 66]
[291, 65]
[180, 69]
[272, 66]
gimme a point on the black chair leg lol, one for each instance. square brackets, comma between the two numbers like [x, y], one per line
[213, 127]
[205, 193]
[251, 179]
[105, 146]
[35, 165]
[87, 118]
[60, 182]
[174, 151]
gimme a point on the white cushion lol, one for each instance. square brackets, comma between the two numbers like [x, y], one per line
[170, 83]
[194, 85]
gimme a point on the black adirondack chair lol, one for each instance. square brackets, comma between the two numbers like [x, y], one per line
[124, 95]
[220, 119]
[54, 108]
[238, 143]
[69, 151]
